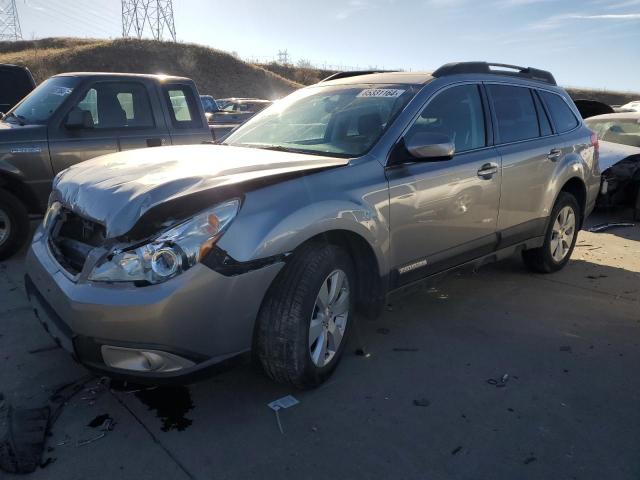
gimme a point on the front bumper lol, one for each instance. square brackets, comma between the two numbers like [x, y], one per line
[201, 315]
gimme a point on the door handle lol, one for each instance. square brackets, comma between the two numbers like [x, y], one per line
[488, 170]
[554, 154]
[155, 142]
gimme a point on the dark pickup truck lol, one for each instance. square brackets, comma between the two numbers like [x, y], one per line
[73, 117]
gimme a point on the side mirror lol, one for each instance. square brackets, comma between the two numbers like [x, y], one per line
[79, 120]
[430, 146]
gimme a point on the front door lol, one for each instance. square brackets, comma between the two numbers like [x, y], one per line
[444, 213]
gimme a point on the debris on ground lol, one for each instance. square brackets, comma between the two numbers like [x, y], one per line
[566, 348]
[279, 404]
[456, 450]
[103, 422]
[383, 331]
[609, 226]
[81, 443]
[528, 460]
[405, 349]
[22, 436]
[499, 382]
[361, 352]
[421, 402]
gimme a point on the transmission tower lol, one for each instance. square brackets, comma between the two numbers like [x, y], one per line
[283, 57]
[9, 21]
[148, 17]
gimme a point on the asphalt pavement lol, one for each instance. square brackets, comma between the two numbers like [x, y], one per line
[499, 374]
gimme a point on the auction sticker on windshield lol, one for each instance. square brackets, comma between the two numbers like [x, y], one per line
[381, 92]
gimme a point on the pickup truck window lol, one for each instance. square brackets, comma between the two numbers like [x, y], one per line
[182, 107]
[40, 104]
[343, 120]
[118, 105]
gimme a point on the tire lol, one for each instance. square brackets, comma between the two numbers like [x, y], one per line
[548, 258]
[284, 337]
[14, 224]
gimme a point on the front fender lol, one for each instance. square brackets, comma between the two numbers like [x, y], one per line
[277, 219]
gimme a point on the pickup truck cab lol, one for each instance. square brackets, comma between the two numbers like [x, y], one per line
[73, 117]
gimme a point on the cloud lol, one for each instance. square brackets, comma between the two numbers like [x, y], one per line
[557, 21]
[353, 7]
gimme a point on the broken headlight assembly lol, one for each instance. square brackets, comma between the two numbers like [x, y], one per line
[172, 252]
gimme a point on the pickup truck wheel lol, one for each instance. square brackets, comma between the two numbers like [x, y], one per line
[560, 237]
[14, 224]
[304, 322]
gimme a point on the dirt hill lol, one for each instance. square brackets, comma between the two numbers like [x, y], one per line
[216, 73]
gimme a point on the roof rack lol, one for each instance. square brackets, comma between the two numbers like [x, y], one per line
[495, 69]
[353, 73]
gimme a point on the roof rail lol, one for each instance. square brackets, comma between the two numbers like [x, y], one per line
[354, 73]
[500, 69]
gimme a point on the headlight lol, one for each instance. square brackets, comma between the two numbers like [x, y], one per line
[51, 215]
[172, 252]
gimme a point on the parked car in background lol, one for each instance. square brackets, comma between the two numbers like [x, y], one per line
[157, 265]
[233, 113]
[73, 117]
[16, 82]
[632, 106]
[619, 135]
[209, 105]
[591, 108]
[238, 110]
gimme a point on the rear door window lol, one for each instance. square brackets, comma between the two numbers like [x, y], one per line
[515, 113]
[182, 107]
[118, 105]
[561, 114]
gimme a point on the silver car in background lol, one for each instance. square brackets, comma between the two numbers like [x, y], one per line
[157, 265]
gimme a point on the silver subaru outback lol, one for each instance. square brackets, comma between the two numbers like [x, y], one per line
[160, 264]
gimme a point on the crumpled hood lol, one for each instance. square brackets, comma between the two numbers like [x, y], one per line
[612, 153]
[117, 189]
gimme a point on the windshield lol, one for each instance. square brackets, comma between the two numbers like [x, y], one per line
[343, 120]
[623, 131]
[40, 104]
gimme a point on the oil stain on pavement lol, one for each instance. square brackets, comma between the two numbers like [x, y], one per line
[171, 405]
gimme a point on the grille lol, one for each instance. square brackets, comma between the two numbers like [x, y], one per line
[73, 238]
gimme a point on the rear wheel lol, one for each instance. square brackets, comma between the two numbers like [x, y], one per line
[14, 224]
[560, 237]
[306, 318]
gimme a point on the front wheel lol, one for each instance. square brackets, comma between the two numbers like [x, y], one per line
[560, 237]
[14, 224]
[306, 317]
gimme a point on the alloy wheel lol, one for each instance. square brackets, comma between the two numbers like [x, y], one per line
[5, 226]
[329, 318]
[564, 230]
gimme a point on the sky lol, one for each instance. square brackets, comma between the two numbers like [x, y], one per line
[584, 43]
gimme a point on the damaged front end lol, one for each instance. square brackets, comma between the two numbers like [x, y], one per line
[620, 185]
[81, 248]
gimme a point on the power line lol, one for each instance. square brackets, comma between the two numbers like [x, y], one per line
[154, 17]
[9, 21]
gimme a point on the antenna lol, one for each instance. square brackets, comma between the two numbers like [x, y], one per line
[148, 17]
[9, 21]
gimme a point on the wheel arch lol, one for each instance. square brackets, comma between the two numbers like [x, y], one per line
[576, 187]
[18, 188]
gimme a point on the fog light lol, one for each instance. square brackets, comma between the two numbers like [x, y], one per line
[143, 360]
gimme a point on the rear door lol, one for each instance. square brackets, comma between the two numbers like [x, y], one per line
[184, 114]
[525, 143]
[444, 213]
